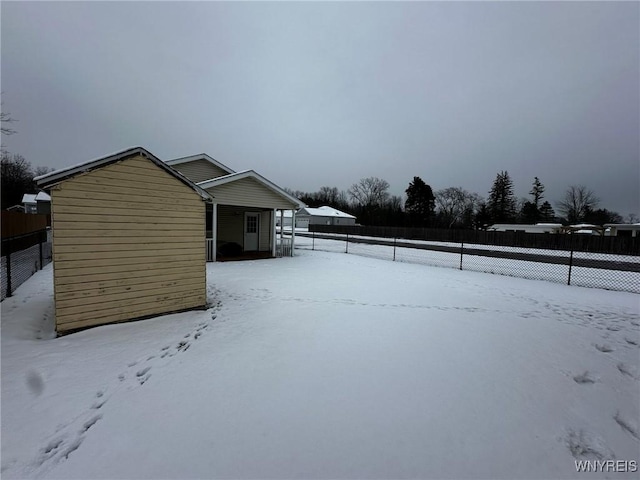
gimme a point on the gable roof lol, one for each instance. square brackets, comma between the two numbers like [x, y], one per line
[43, 197]
[200, 156]
[216, 182]
[29, 198]
[324, 212]
[53, 178]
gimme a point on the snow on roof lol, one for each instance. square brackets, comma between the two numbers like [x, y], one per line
[29, 198]
[43, 197]
[584, 225]
[325, 212]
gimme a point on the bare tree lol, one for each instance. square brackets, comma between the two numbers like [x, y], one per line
[16, 178]
[578, 201]
[454, 204]
[369, 192]
[5, 121]
[632, 218]
[328, 195]
[42, 171]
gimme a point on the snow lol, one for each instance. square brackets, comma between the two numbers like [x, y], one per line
[324, 212]
[29, 198]
[81, 165]
[43, 197]
[328, 366]
[622, 280]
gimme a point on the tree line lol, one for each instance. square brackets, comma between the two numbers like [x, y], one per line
[372, 204]
[16, 173]
[454, 207]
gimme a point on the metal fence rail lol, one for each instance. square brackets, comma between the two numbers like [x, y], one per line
[587, 269]
[22, 256]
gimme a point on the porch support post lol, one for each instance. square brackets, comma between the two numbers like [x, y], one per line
[293, 231]
[214, 230]
[281, 224]
[273, 233]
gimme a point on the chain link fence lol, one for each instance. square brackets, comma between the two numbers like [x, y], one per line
[22, 256]
[586, 269]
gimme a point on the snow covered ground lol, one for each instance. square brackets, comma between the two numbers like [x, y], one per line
[620, 280]
[329, 366]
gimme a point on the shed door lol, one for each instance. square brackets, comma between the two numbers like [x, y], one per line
[251, 231]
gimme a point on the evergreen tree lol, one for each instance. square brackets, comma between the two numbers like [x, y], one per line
[483, 218]
[547, 214]
[537, 192]
[420, 204]
[502, 203]
[529, 213]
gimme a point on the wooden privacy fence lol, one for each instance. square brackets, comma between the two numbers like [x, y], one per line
[551, 241]
[17, 223]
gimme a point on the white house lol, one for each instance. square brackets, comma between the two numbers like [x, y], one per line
[537, 228]
[622, 229]
[323, 216]
[29, 203]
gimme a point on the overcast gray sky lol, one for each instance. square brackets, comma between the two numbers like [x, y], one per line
[313, 94]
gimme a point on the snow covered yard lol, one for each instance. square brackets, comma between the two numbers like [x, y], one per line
[329, 366]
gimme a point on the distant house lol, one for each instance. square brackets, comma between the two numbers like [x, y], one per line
[323, 216]
[43, 203]
[622, 229]
[537, 228]
[37, 203]
[29, 203]
[242, 217]
[584, 229]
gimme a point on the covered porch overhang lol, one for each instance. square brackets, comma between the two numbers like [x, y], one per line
[237, 232]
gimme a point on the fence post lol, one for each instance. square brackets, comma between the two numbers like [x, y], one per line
[313, 240]
[9, 268]
[570, 259]
[347, 245]
[40, 248]
[394, 248]
[461, 252]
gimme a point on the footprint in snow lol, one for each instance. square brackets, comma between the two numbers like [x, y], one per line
[584, 445]
[603, 348]
[627, 425]
[143, 375]
[584, 378]
[627, 370]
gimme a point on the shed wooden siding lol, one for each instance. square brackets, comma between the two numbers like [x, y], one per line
[127, 243]
[199, 170]
[249, 193]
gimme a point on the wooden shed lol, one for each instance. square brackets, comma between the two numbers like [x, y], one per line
[128, 240]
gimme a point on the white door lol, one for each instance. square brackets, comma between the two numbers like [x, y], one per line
[251, 231]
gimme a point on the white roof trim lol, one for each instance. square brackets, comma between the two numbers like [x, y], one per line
[216, 182]
[200, 156]
[53, 178]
